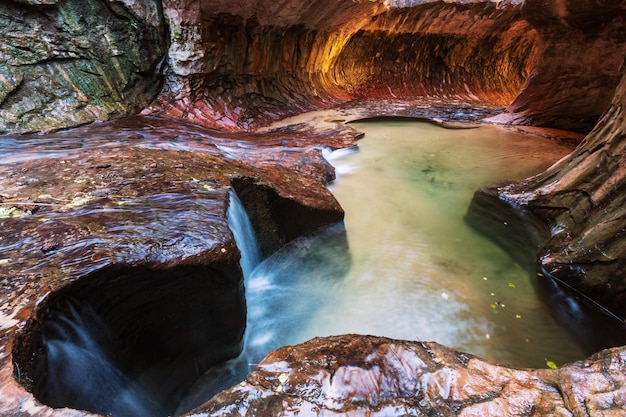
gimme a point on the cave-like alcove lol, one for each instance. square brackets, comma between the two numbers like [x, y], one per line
[131, 340]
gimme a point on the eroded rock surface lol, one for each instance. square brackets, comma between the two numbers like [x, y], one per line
[580, 62]
[68, 63]
[123, 224]
[240, 66]
[75, 205]
[370, 376]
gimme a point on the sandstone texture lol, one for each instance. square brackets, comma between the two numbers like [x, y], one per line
[579, 63]
[126, 222]
[129, 216]
[578, 206]
[369, 376]
[66, 63]
[241, 66]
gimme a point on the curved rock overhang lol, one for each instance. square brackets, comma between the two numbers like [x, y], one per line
[123, 248]
[238, 66]
[579, 205]
[241, 66]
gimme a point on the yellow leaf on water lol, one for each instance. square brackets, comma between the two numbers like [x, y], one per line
[551, 364]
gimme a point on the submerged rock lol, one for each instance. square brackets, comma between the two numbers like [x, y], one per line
[576, 211]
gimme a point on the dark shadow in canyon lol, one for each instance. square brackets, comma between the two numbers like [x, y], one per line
[131, 341]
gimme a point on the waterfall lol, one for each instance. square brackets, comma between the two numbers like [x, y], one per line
[82, 374]
[240, 225]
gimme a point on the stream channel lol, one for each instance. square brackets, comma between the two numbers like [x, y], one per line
[404, 264]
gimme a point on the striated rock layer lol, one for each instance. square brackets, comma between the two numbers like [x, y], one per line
[578, 207]
[239, 66]
[371, 376]
[104, 214]
[116, 256]
[66, 63]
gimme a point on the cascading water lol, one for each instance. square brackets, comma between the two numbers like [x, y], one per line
[81, 371]
[240, 225]
[283, 294]
[226, 374]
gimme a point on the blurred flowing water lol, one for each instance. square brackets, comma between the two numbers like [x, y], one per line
[242, 230]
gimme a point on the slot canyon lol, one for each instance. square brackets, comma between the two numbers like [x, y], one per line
[130, 129]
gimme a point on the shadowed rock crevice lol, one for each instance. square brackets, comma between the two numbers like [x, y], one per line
[278, 220]
[579, 205]
[579, 64]
[131, 340]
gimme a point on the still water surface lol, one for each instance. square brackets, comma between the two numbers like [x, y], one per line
[415, 270]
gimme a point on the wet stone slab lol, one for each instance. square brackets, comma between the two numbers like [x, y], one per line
[120, 199]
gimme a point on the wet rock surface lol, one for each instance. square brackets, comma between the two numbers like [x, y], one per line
[133, 200]
[126, 221]
[270, 60]
[69, 63]
[361, 375]
[578, 206]
[583, 44]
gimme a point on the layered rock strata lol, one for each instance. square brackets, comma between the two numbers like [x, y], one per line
[238, 66]
[66, 63]
[116, 250]
[73, 204]
[369, 376]
[577, 210]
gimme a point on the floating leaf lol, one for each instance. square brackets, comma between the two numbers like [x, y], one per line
[539, 274]
[208, 187]
[8, 212]
[551, 364]
[518, 316]
[511, 285]
[45, 197]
